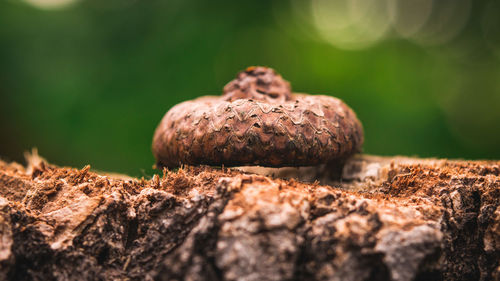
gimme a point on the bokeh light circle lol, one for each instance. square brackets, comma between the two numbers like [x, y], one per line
[50, 4]
[447, 19]
[351, 24]
[408, 17]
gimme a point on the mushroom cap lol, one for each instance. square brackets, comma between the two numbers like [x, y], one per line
[258, 83]
[258, 121]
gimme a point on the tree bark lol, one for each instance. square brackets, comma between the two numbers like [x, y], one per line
[378, 218]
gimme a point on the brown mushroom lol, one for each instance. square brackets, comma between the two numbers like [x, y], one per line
[258, 121]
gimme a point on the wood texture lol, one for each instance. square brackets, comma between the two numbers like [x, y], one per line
[387, 219]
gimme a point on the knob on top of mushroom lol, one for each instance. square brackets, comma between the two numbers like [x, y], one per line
[258, 121]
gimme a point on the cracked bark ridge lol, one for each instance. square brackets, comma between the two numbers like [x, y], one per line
[389, 219]
[258, 121]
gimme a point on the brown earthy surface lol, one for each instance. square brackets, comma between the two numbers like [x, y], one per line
[388, 219]
[258, 121]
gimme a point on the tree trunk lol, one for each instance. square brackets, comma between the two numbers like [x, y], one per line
[379, 218]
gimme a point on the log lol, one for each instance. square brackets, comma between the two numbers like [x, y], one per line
[378, 218]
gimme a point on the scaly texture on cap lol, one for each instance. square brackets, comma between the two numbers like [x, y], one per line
[258, 83]
[258, 121]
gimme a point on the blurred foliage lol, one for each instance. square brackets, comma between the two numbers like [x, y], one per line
[89, 82]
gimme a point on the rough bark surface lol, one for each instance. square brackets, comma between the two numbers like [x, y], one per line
[386, 219]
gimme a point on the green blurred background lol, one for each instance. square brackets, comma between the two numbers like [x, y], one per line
[86, 82]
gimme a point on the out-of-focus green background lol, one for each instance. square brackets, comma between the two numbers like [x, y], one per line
[86, 82]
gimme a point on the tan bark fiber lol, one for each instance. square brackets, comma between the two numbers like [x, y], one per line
[388, 218]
